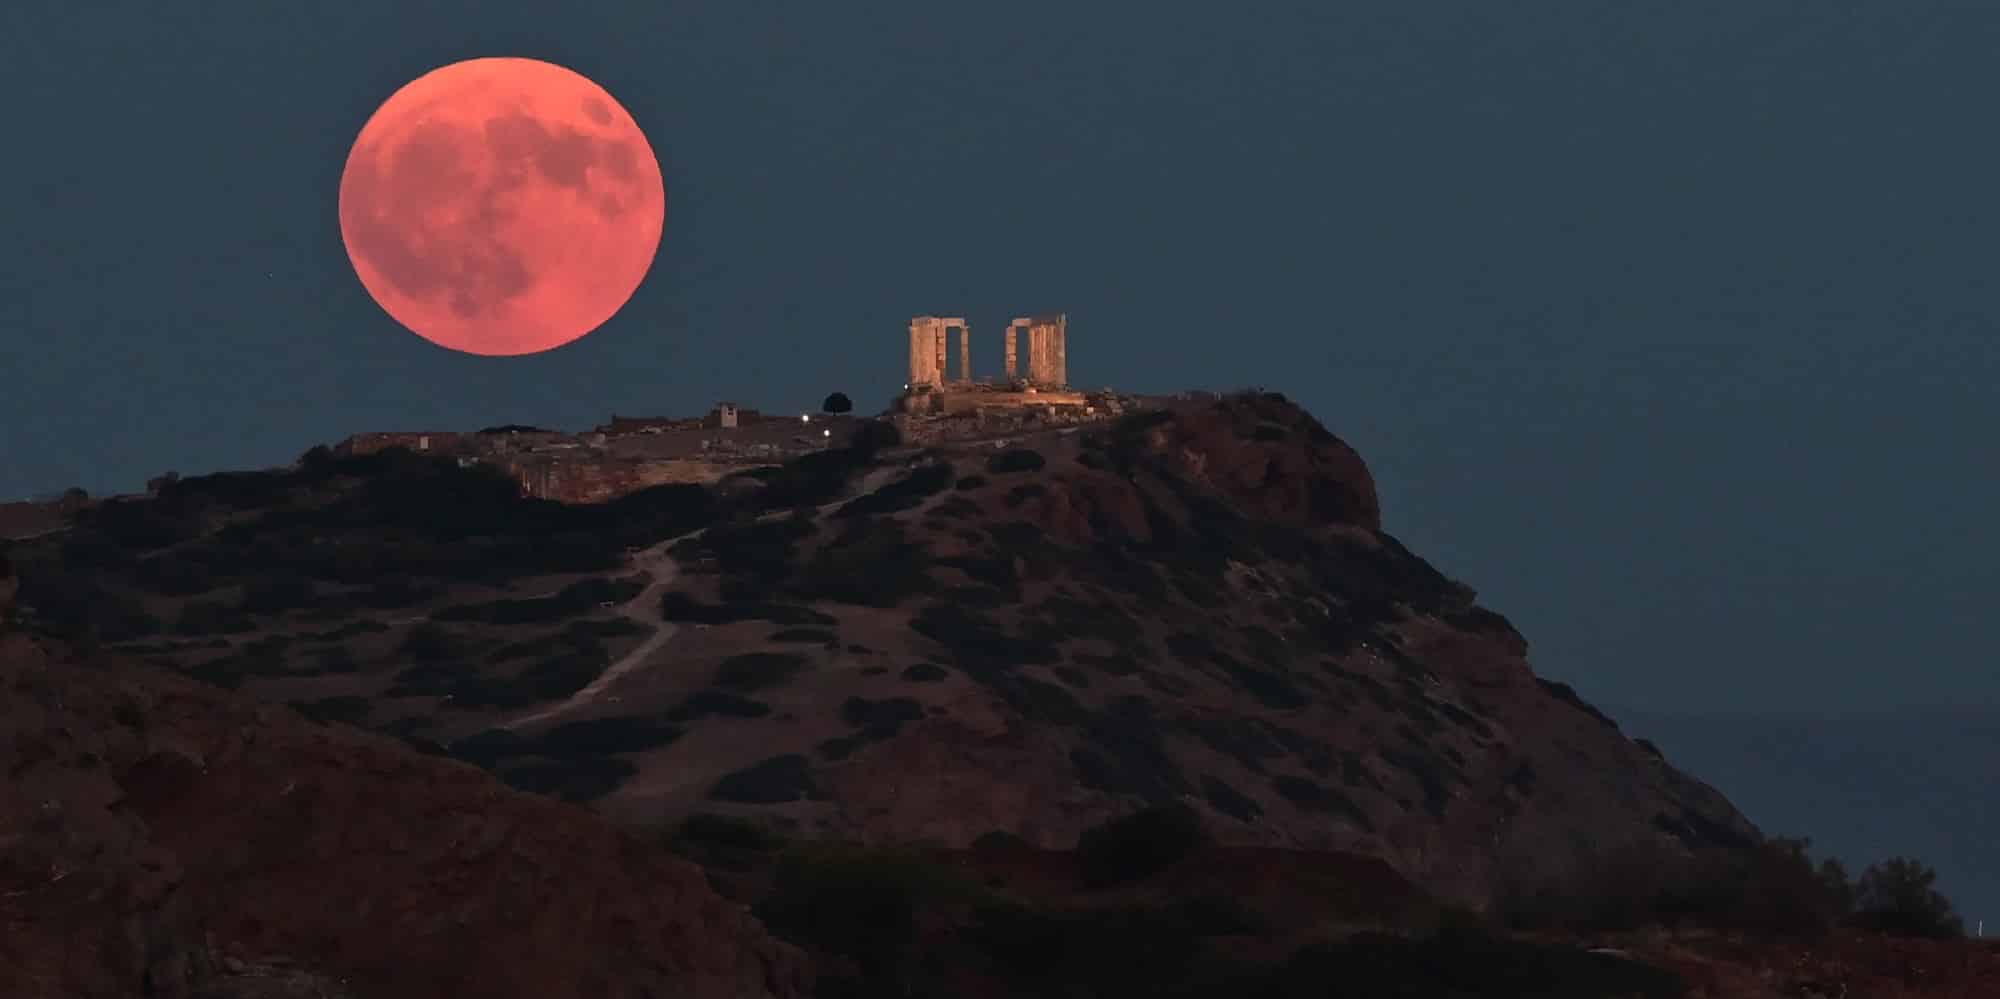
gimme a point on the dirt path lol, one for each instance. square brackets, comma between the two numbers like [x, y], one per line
[643, 609]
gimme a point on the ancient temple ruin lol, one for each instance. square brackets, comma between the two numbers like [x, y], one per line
[927, 354]
[1048, 351]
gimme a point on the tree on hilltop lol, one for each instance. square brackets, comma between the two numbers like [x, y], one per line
[837, 403]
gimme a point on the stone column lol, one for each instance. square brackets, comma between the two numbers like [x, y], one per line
[938, 369]
[1061, 359]
[1010, 348]
[919, 351]
[964, 352]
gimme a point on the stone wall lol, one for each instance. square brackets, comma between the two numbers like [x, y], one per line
[442, 442]
[597, 481]
[965, 402]
[649, 424]
[944, 417]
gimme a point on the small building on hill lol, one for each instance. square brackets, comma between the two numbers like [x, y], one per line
[728, 415]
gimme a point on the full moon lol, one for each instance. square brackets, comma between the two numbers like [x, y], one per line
[501, 206]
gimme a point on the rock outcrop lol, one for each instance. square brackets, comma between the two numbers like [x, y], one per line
[163, 838]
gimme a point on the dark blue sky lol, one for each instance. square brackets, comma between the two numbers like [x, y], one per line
[1669, 329]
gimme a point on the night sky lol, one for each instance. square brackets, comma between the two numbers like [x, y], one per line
[1670, 330]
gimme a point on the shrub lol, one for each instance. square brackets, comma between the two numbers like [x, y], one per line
[174, 575]
[1897, 897]
[207, 617]
[1017, 535]
[91, 550]
[808, 636]
[1024, 492]
[726, 831]
[980, 646]
[277, 595]
[759, 670]
[577, 779]
[336, 659]
[1229, 801]
[429, 643]
[677, 606]
[1015, 460]
[956, 507]
[902, 494]
[1268, 687]
[872, 437]
[1073, 677]
[1316, 797]
[1461, 961]
[871, 564]
[883, 719]
[580, 597]
[1108, 951]
[142, 525]
[1770, 888]
[1614, 891]
[999, 841]
[489, 747]
[837, 402]
[316, 460]
[992, 571]
[1139, 844]
[397, 592]
[76, 603]
[926, 673]
[704, 703]
[603, 736]
[1432, 774]
[561, 676]
[349, 709]
[603, 627]
[841, 747]
[859, 903]
[771, 782]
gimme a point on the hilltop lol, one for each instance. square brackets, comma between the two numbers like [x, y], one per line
[892, 643]
[943, 665]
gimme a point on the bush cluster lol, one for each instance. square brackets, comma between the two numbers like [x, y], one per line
[774, 781]
[1772, 887]
[576, 599]
[1139, 844]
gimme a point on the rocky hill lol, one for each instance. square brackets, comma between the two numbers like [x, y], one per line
[897, 644]
[162, 838]
[1151, 706]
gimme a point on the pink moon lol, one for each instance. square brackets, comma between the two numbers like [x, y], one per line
[501, 206]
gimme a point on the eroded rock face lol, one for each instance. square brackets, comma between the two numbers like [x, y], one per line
[159, 833]
[1202, 607]
[1272, 460]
